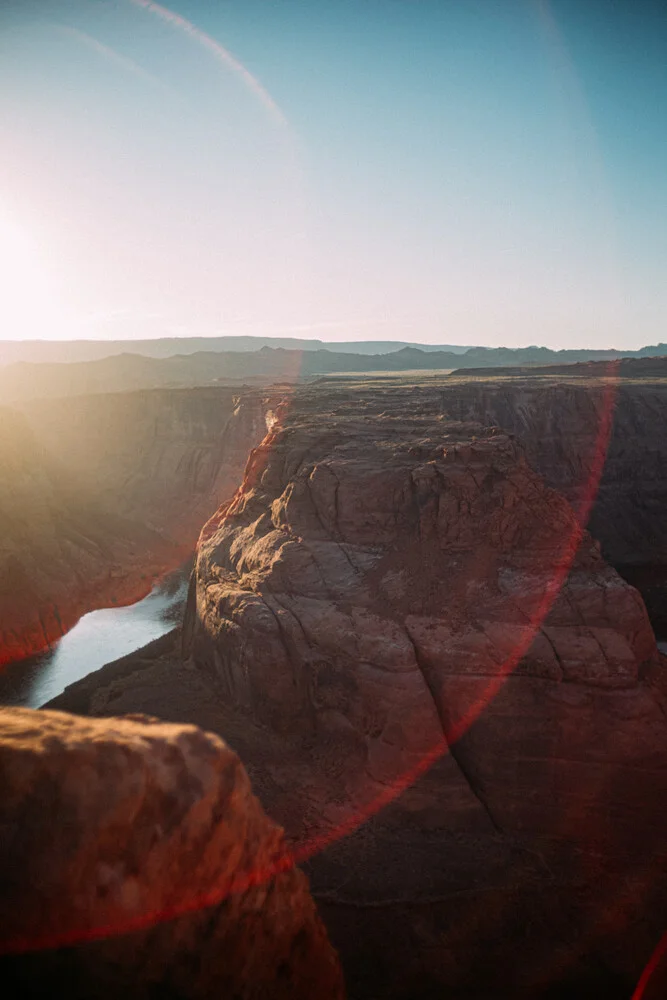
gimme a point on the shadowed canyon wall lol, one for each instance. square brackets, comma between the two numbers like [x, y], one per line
[101, 494]
[558, 421]
[61, 552]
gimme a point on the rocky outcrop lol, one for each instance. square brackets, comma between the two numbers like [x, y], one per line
[103, 494]
[401, 593]
[137, 862]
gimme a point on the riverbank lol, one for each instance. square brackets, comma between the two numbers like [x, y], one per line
[98, 637]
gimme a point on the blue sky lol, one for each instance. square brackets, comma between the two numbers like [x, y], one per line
[453, 171]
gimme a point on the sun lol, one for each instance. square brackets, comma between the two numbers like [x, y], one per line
[30, 306]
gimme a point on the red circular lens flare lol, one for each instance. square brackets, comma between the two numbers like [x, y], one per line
[651, 968]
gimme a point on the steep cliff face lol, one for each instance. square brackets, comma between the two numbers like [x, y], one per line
[561, 424]
[137, 862]
[391, 589]
[161, 457]
[60, 552]
[102, 494]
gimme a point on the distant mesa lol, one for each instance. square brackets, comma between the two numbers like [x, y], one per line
[654, 366]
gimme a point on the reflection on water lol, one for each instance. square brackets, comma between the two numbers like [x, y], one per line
[96, 639]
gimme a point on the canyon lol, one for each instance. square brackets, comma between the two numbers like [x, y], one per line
[104, 494]
[436, 681]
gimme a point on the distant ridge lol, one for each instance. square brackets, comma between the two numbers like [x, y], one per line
[41, 351]
[164, 347]
[127, 371]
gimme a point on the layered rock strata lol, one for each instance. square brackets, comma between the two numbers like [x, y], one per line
[162, 457]
[137, 862]
[401, 589]
[101, 495]
[60, 553]
[601, 439]
[452, 702]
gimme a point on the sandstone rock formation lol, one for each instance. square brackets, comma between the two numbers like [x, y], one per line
[136, 862]
[398, 588]
[162, 458]
[560, 422]
[60, 553]
[102, 494]
[393, 587]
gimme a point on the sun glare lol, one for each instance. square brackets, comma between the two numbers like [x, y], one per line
[29, 305]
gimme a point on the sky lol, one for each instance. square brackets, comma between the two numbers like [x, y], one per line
[444, 171]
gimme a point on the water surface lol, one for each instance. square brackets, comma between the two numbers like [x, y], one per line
[97, 638]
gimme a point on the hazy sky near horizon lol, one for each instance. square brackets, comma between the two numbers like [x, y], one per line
[447, 171]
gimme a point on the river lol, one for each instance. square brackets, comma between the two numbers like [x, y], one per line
[97, 638]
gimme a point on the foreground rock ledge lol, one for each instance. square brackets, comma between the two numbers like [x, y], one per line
[109, 825]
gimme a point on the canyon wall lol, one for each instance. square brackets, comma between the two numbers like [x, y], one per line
[61, 552]
[438, 684]
[561, 424]
[102, 494]
[132, 476]
[137, 862]
[164, 457]
[397, 595]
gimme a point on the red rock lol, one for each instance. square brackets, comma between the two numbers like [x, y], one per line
[356, 606]
[102, 495]
[135, 860]
[386, 583]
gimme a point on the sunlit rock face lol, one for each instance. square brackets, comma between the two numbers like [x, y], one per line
[392, 587]
[136, 862]
[102, 494]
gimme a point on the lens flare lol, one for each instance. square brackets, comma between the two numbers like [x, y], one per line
[117, 59]
[222, 54]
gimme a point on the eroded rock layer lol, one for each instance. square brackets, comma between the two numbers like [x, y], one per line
[109, 828]
[567, 424]
[571, 427]
[102, 494]
[395, 587]
[60, 552]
